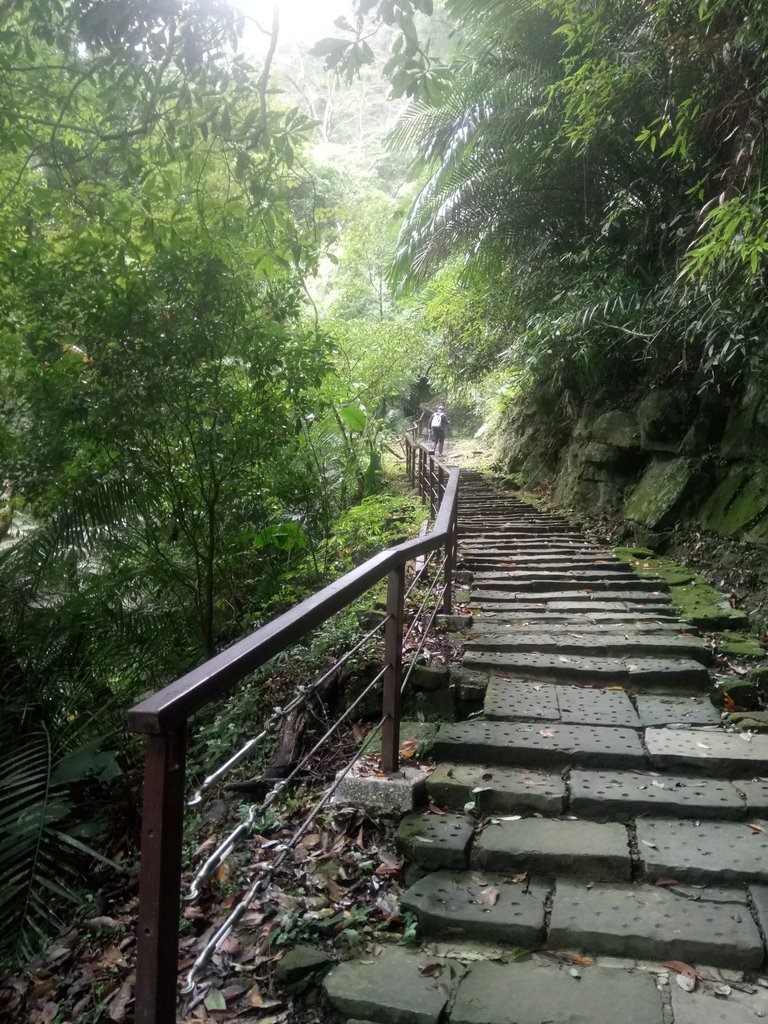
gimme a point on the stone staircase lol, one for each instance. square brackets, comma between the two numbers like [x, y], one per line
[597, 807]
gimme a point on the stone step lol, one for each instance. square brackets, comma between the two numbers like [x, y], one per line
[522, 699]
[594, 795]
[622, 919]
[479, 906]
[567, 625]
[497, 789]
[608, 645]
[589, 600]
[622, 796]
[596, 852]
[544, 993]
[539, 745]
[564, 563]
[711, 752]
[531, 582]
[406, 986]
[635, 673]
[702, 852]
[533, 549]
[651, 923]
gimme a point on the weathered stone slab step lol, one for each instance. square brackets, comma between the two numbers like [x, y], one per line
[516, 559]
[591, 566]
[583, 601]
[549, 847]
[585, 595]
[533, 582]
[608, 645]
[634, 673]
[512, 535]
[391, 988]
[708, 752]
[568, 624]
[654, 710]
[621, 796]
[499, 789]
[525, 548]
[479, 905]
[648, 922]
[435, 840]
[718, 852]
[539, 745]
[535, 993]
[520, 699]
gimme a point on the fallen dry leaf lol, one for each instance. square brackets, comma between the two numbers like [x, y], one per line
[755, 827]
[428, 970]
[490, 897]
[685, 975]
[255, 998]
[546, 733]
[666, 882]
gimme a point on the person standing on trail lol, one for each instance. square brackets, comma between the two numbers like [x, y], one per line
[437, 426]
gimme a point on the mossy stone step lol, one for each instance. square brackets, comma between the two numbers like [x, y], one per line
[523, 582]
[478, 905]
[648, 922]
[596, 852]
[583, 596]
[621, 796]
[538, 745]
[609, 645]
[537, 993]
[718, 852]
[708, 752]
[633, 673]
[569, 626]
[392, 988]
[655, 710]
[514, 700]
[497, 789]
[435, 840]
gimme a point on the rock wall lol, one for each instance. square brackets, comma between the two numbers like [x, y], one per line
[672, 457]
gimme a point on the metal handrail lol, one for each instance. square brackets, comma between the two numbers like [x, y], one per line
[163, 717]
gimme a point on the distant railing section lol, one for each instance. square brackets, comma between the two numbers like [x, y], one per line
[163, 718]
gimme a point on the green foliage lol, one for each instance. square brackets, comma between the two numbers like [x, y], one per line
[591, 211]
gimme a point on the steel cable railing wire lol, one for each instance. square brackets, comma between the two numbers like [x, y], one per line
[423, 604]
[243, 830]
[267, 872]
[256, 810]
[420, 648]
[303, 693]
[419, 574]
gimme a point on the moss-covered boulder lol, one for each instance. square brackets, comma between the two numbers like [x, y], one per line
[739, 645]
[747, 429]
[657, 497]
[617, 429]
[663, 419]
[702, 605]
[739, 502]
[749, 692]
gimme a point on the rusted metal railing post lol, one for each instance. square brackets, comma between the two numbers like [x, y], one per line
[432, 504]
[422, 472]
[160, 878]
[450, 561]
[393, 654]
